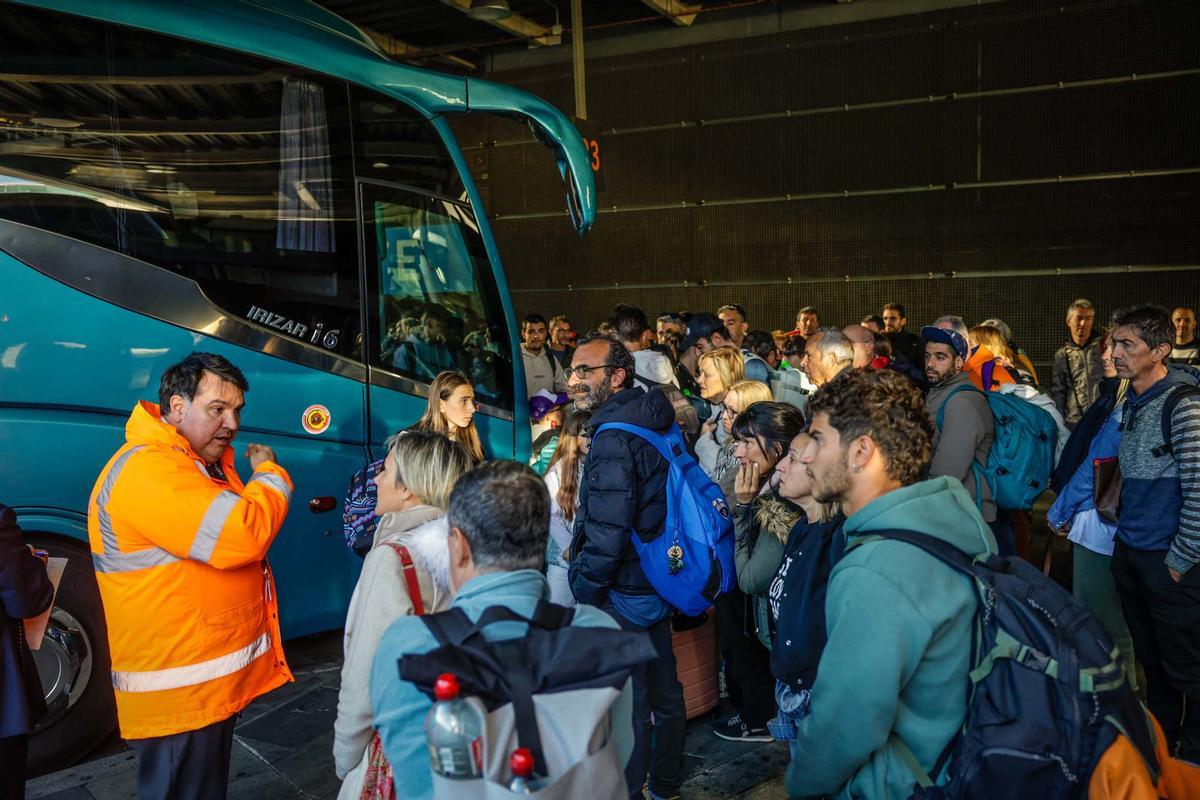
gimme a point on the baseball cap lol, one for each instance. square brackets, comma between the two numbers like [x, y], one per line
[544, 402]
[700, 325]
[943, 336]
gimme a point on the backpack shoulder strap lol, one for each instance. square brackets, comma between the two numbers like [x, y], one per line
[947, 553]
[1177, 395]
[410, 577]
[988, 372]
[660, 443]
[941, 414]
[451, 626]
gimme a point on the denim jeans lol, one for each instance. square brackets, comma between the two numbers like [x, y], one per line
[794, 705]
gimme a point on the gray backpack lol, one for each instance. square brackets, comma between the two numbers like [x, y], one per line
[787, 386]
[550, 691]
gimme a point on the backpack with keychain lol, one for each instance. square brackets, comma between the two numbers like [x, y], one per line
[550, 691]
[1047, 696]
[691, 563]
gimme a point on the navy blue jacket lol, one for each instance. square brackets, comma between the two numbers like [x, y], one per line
[1076, 448]
[623, 490]
[797, 599]
[25, 591]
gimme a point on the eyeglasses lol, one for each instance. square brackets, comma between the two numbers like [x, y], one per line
[582, 370]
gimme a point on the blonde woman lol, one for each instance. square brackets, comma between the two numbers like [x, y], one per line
[410, 545]
[993, 339]
[718, 370]
[451, 411]
[740, 396]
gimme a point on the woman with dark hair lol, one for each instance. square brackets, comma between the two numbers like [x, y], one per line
[761, 434]
[762, 518]
[562, 482]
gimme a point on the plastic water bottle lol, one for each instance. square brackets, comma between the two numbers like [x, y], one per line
[521, 764]
[454, 731]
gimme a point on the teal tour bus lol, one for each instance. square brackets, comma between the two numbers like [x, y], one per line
[254, 178]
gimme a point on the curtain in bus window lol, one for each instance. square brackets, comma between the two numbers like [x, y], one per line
[305, 187]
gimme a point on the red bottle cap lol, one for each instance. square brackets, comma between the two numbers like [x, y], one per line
[521, 762]
[446, 686]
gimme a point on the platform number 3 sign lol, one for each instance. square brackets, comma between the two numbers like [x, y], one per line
[591, 142]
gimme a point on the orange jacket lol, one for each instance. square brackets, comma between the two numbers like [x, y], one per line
[974, 368]
[193, 625]
[1121, 773]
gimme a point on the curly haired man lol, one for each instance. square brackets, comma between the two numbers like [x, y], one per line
[899, 621]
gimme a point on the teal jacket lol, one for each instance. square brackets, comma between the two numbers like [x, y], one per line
[400, 709]
[900, 625]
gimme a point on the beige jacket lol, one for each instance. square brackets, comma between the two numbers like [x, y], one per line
[380, 598]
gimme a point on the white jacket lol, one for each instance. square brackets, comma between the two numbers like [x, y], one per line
[380, 598]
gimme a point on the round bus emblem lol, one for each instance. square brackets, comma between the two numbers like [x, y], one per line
[316, 419]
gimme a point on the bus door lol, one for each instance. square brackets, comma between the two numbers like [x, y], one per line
[431, 294]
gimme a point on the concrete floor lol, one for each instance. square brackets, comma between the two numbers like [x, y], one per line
[283, 748]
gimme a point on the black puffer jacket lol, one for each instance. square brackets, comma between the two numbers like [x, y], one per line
[623, 490]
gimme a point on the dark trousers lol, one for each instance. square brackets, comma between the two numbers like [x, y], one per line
[747, 663]
[13, 752]
[186, 766]
[657, 748]
[1164, 621]
[1002, 530]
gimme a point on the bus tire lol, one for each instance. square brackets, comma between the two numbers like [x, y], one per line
[73, 664]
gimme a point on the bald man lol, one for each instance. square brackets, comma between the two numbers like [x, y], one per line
[864, 344]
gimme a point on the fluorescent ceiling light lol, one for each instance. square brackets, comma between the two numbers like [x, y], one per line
[490, 10]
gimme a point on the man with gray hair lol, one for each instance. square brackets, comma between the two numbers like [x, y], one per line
[826, 353]
[499, 521]
[1075, 382]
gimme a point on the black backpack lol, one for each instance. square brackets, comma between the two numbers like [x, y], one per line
[1047, 693]
[550, 690]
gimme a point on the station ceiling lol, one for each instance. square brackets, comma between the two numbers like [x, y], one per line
[442, 34]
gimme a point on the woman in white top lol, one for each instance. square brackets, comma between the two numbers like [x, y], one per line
[420, 469]
[562, 482]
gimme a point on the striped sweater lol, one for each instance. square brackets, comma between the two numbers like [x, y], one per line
[1160, 496]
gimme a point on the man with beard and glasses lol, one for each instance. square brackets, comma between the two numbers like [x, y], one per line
[623, 494]
[899, 622]
[179, 544]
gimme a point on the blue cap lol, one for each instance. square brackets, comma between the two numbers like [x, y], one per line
[948, 337]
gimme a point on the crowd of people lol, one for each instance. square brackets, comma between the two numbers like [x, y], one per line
[851, 647]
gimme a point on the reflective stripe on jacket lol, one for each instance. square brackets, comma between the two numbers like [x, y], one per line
[180, 557]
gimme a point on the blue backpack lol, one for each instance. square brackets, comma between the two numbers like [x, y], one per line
[691, 563]
[1022, 455]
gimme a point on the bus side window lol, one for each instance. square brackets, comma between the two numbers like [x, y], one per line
[227, 169]
[437, 304]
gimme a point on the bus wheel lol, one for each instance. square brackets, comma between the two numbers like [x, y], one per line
[73, 665]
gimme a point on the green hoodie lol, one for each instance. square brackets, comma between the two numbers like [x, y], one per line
[896, 663]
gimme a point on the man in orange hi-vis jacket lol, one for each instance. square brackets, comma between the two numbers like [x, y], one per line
[179, 545]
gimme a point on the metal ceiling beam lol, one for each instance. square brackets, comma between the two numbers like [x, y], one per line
[677, 11]
[516, 24]
[397, 48]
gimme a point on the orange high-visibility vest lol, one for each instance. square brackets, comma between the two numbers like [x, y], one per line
[180, 557]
